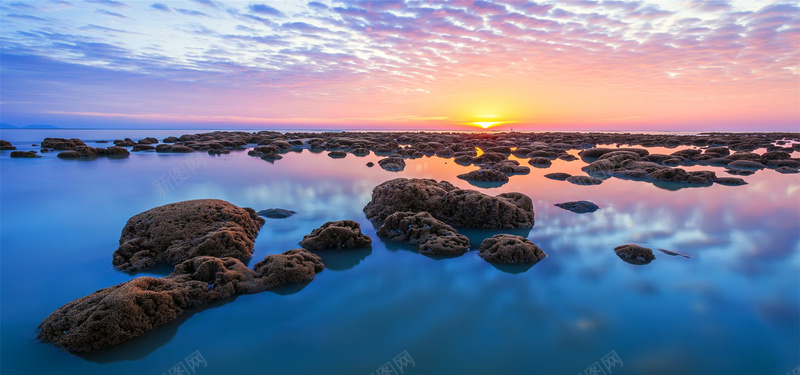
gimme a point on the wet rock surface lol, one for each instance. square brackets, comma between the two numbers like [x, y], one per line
[580, 207]
[336, 235]
[510, 249]
[179, 231]
[432, 236]
[276, 213]
[635, 254]
[125, 311]
[456, 207]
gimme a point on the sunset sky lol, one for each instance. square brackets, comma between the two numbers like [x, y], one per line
[571, 65]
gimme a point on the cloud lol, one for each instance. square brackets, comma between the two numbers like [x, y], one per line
[161, 7]
[190, 12]
[208, 3]
[111, 14]
[110, 3]
[265, 10]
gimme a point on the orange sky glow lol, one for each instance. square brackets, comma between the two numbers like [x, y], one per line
[460, 65]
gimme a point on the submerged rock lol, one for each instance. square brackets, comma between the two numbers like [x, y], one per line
[510, 249]
[276, 213]
[179, 231]
[580, 207]
[432, 236]
[336, 235]
[125, 311]
[635, 254]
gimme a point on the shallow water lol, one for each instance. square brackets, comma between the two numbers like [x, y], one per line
[733, 307]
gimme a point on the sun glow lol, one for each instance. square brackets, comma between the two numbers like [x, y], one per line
[487, 124]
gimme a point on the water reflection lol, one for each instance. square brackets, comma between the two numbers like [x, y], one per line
[343, 259]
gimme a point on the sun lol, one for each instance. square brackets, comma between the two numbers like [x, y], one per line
[487, 124]
[487, 121]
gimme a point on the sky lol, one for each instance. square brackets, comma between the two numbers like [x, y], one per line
[437, 65]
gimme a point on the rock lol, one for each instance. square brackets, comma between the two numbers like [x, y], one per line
[491, 175]
[146, 147]
[170, 140]
[392, 164]
[635, 254]
[6, 145]
[751, 156]
[510, 168]
[24, 154]
[218, 152]
[60, 144]
[540, 162]
[580, 207]
[276, 213]
[600, 151]
[702, 178]
[746, 165]
[125, 311]
[510, 249]
[456, 207]
[432, 236]
[730, 181]
[560, 176]
[174, 148]
[147, 141]
[370, 164]
[337, 154]
[786, 170]
[179, 231]
[403, 194]
[584, 180]
[336, 235]
[360, 152]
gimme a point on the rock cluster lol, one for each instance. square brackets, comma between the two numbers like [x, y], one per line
[125, 311]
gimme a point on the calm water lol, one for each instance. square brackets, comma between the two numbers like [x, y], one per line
[733, 308]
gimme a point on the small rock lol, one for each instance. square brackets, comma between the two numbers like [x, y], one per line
[580, 207]
[276, 213]
[635, 254]
[510, 249]
[336, 235]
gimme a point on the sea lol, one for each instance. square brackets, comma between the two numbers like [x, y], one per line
[731, 307]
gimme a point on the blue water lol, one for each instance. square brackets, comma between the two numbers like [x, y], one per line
[733, 308]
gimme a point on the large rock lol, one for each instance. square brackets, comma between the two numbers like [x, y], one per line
[6, 145]
[336, 235]
[125, 311]
[510, 249]
[24, 154]
[432, 236]
[456, 207]
[176, 232]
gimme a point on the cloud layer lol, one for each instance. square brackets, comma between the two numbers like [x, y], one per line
[566, 64]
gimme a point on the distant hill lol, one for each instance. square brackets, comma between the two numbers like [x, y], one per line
[9, 126]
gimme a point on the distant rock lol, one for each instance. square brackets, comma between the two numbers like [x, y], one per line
[560, 176]
[510, 249]
[540, 162]
[336, 235]
[730, 181]
[143, 148]
[174, 148]
[276, 213]
[6, 145]
[490, 175]
[128, 310]
[635, 254]
[170, 140]
[337, 154]
[24, 154]
[584, 180]
[580, 207]
[147, 141]
[746, 165]
[786, 170]
[370, 164]
[179, 231]
[432, 236]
